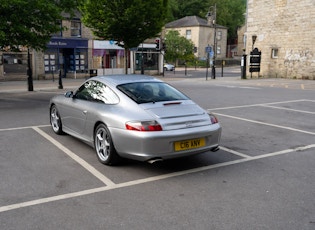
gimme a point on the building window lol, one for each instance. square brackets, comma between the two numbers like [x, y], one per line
[274, 53]
[75, 28]
[219, 35]
[59, 33]
[218, 49]
[78, 61]
[188, 34]
[51, 61]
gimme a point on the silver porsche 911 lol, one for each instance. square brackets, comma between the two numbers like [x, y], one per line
[134, 116]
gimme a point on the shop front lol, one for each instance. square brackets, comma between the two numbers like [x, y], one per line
[148, 59]
[66, 56]
[108, 58]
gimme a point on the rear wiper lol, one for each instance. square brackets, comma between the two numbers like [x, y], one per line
[172, 103]
[147, 101]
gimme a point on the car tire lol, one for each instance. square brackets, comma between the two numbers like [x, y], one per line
[104, 147]
[55, 120]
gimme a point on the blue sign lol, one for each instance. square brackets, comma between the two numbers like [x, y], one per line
[67, 43]
[208, 49]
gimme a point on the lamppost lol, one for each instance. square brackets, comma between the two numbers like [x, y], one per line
[142, 58]
[211, 16]
[29, 71]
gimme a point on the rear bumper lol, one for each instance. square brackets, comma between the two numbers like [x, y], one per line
[145, 146]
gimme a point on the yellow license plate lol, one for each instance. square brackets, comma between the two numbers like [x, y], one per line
[189, 144]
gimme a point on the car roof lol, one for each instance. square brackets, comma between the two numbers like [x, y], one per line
[115, 80]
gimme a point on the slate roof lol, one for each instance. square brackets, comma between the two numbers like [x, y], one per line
[189, 21]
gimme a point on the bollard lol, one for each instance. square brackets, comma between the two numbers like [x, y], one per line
[60, 80]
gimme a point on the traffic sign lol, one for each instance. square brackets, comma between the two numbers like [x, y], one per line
[208, 49]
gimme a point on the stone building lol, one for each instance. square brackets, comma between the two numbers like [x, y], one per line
[67, 51]
[284, 32]
[73, 52]
[201, 33]
[76, 53]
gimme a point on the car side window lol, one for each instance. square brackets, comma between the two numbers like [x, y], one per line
[83, 93]
[97, 92]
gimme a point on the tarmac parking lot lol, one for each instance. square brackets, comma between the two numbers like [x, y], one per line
[261, 178]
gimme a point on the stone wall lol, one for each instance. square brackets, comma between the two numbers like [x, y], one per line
[285, 31]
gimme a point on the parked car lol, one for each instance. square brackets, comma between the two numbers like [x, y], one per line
[169, 67]
[134, 116]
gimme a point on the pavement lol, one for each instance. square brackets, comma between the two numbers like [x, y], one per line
[231, 76]
[39, 85]
[70, 84]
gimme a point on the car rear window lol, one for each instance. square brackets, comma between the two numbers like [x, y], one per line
[145, 92]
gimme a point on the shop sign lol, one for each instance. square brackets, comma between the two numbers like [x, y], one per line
[67, 43]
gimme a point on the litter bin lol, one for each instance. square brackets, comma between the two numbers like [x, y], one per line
[93, 72]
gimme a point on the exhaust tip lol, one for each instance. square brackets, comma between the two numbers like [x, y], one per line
[153, 160]
[215, 149]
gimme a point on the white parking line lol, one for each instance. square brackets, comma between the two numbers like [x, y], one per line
[79, 160]
[294, 110]
[234, 152]
[111, 185]
[149, 179]
[264, 123]
[25, 127]
[238, 87]
[254, 105]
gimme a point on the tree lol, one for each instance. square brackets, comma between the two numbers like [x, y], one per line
[178, 47]
[181, 8]
[230, 13]
[30, 23]
[129, 22]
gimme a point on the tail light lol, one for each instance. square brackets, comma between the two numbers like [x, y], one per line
[143, 126]
[213, 118]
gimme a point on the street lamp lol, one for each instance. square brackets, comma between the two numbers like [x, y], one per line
[212, 14]
[29, 71]
[254, 37]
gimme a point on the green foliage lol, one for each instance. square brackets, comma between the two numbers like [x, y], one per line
[129, 22]
[178, 47]
[230, 13]
[30, 22]
[182, 8]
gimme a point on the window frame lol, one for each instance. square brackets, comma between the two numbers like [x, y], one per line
[219, 35]
[75, 28]
[188, 34]
[275, 53]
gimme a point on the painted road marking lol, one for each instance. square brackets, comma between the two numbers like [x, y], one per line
[25, 127]
[238, 87]
[110, 185]
[267, 124]
[234, 152]
[294, 110]
[261, 104]
[78, 159]
[149, 179]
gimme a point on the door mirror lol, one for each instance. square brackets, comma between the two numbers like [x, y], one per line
[69, 94]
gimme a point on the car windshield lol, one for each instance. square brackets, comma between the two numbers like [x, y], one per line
[145, 92]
